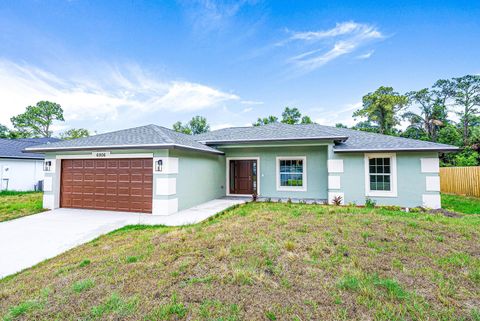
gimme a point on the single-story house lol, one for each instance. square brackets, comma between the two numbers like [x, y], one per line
[21, 171]
[155, 170]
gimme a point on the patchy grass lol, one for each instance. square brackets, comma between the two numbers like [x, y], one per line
[461, 204]
[264, 261]
[17, 204]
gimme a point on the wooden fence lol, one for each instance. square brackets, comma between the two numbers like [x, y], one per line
[460, 180]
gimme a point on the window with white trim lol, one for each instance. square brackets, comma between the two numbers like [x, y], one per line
[291, 173]
[380, 175]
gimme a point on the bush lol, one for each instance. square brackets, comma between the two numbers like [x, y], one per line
[370, 203]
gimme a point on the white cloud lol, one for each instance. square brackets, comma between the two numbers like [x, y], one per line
[332, 116]
[247, 110]
[111, 91]
[251, 102]
[221, 126]
[366, 55]
[327, 45]
[207, 15]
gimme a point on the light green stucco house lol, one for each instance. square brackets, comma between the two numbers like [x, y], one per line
[155, 170]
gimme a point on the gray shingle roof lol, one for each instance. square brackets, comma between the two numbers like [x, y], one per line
[150, 136]
[13, 148]
[270, 132]
[347, 140]
[365, 141]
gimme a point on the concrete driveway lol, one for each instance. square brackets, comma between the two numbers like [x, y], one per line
[27, 241]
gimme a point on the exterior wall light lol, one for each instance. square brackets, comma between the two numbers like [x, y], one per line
[47, 166]
[159, 165]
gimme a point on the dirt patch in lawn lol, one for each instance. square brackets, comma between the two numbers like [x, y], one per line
[264, 262]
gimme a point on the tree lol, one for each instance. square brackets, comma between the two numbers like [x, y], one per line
[36, 120]
[3, 131]
[366, 126]
[382, 107]
[291, 116]
[197, 125]
[432, 116]
[74, 133]
[179, 127]
[306, 120]
[467, 98]
[340, 125]
[266, 120]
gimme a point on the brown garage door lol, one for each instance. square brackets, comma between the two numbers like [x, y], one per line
[107, 184]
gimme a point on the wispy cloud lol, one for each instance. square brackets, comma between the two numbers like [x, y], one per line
[251, 102]
[127, 91]
[321, 47]
[332, 116]
[208, 15]
[366, 55]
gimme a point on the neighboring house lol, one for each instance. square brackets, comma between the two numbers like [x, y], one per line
[20, 171]
[155, 170]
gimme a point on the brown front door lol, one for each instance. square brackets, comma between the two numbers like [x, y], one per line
[107, 184]
[243, 177]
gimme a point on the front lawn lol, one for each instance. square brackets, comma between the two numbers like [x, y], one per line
[17, 204]
[264, 261]
[461, 204]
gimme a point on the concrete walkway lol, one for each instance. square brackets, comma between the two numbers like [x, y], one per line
[27, 241]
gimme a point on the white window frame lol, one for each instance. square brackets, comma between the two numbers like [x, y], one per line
[393, 175]
[304, 174]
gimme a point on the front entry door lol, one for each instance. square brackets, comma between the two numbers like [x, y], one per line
[243, 177]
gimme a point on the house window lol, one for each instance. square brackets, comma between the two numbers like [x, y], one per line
[380, 175]
[291, 174]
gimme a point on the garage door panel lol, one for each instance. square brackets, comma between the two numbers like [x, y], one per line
[112, 184]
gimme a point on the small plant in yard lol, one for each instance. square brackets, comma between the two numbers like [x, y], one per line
[83, 285]
[370, 203]
[337, 200]
[84, 263]
[270, 315]
[131, 259]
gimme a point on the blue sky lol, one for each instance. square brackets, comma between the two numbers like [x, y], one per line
[119, 64]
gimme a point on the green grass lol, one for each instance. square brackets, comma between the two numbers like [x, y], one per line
[17, 204]
[461, 204]
[264, 261]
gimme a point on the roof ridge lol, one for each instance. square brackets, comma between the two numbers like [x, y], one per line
[160, 130]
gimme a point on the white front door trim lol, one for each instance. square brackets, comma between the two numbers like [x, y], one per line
[228, 159]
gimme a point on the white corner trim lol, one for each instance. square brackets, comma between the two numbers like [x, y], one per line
[164, 207]
[430, 165]
[227, 169]
[49, 201]
[332, 195]
[47, 184]
[432, 183]
[335, 165]
[165, 186]
[334, 182]
[431, 201]
[393, 175]
[304, 174]
[169, 165]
